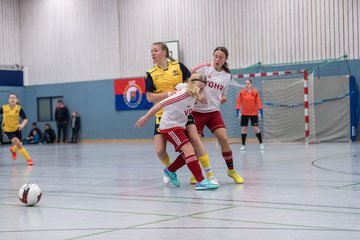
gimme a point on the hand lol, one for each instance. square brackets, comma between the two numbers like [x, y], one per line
[202, 99]
[238, 114]
[140, 123]
[260, 115]
[223, 99]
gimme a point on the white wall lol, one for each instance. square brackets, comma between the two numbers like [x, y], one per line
[67, 40]
[80, 40]
[9, 32]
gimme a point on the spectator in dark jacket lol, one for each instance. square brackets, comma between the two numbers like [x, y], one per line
[75, 126]
[48, 135]
[62, 119]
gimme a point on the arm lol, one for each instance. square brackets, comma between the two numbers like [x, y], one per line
[56, 114]
[52, 134]
[67, 115]
[223, 99]
[78, 122]
[140, 123]
[151, 95]
[200, 68]
[24, 119]
[185, 71]
[223, 95]
[258, 101]
[39, 133]
[238, 104]
[157, 97]
[23, 123]
[238, 101]
[30, 136]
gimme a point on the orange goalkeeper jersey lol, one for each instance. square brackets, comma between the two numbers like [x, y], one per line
[249, 102]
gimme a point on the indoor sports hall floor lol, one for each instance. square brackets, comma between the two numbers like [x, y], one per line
[115, 191]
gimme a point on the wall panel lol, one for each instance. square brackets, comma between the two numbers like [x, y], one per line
[66, 41]
[9, 32]
[84, 40]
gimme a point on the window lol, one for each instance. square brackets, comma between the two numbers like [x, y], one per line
[46, 108]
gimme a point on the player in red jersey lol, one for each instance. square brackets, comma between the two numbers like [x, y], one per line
[208, 114]
[176, 110]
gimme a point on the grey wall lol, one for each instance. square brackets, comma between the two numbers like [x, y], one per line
[95, 102]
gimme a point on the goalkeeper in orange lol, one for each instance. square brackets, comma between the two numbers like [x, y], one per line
[250, 103]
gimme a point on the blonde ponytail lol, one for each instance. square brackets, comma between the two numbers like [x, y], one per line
[192, 89]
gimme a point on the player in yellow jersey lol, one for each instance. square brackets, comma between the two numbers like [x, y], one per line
[12, 127]
[160, 84]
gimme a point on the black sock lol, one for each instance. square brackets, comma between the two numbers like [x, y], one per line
[259, 137]
[243, 138]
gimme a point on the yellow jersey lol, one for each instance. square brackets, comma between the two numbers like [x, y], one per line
[160, 80]
[10, 121]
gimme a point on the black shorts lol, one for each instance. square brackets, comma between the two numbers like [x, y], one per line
[245, 120]
[157, 123]
[11, 135]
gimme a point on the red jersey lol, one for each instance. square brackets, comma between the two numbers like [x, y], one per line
[250, 102]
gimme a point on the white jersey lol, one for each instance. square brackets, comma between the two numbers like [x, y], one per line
[217, 85]
[176, 110]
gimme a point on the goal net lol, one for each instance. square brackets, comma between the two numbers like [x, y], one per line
[288, 106]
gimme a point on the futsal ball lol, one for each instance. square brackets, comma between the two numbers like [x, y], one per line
[30, 194]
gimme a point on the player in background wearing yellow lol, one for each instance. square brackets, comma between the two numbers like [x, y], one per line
[12, 127]
[176, 110]
[251, 108]
[160, 84]
[208, 114]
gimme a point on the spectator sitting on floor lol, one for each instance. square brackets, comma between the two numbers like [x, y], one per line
[34, 135]
[48, 135]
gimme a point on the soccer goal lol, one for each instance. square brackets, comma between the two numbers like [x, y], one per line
[288, 106]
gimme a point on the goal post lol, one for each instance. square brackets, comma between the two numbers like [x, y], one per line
[288, 106]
